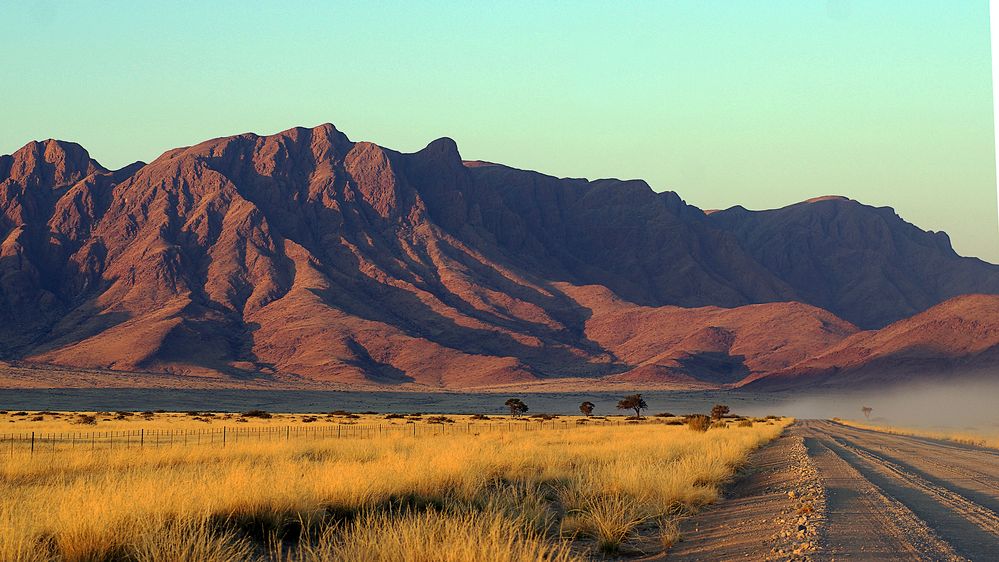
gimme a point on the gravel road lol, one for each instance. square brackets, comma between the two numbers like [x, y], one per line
[875, 496]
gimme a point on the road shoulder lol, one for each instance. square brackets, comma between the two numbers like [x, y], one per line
[773, 511]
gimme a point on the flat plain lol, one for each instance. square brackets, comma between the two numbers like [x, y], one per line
[540, 488]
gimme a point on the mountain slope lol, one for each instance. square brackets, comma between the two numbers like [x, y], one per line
[958, 336]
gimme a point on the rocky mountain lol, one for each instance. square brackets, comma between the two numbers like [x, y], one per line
[308, 258]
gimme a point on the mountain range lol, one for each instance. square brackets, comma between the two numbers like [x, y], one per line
[310, 260]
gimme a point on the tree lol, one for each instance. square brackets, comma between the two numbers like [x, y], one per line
[633, 402]
[586, 408]
[719, 411]
[867, 411]
[516, 406]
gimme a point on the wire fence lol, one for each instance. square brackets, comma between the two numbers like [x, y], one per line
[37, 442]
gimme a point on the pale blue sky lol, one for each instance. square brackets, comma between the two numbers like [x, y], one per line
[759, 103]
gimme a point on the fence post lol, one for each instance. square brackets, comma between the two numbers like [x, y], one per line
[32, 442]
[223, 437]
[142, 438]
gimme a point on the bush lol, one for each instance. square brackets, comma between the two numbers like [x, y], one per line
[19, 414]
[394, 416]
[439, 419]
[663, 415]
[85, 419]
[719, 425]
[745, 423]
[478, 417]
[256, 414]
[698, 422]
[309, 419]
[37, 418]
[339, 413]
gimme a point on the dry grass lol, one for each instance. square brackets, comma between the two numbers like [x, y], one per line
[968, 437]
[540, 495]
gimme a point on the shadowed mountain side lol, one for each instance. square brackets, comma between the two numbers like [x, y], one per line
[862, 263]
[306, 256]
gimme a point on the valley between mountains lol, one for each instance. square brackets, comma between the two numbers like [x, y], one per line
[306, 260]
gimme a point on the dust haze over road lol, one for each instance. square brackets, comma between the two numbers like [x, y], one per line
[955, 404]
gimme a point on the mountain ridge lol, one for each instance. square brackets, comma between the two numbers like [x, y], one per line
[304, 255]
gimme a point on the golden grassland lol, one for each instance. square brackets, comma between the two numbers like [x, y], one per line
[967, 437]
[557, 494]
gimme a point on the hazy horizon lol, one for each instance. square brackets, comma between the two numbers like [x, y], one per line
[760, 105]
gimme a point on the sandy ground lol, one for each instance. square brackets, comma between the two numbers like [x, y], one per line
[875, 497]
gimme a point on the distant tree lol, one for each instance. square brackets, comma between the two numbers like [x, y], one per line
[867, 411]
[517, 406]
[586, 408]
[719, 411]
[633, 402]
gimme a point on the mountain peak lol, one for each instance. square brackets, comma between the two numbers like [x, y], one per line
[822, 198]
[52, 163]
[443, 149]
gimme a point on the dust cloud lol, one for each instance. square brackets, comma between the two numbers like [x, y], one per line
[964, 405]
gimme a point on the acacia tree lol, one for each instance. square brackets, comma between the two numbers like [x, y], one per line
[516, 406]
[586, 408]
[867, 411]
[719, 411]
[633, 402]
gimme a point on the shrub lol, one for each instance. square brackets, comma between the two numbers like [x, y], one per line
[19, 414]
[256, 414]
[394, 416]
[309, 419]
[84, 419]
[745, 423]
[439, 419]
[37, 418]
[698, 422]
[339, 413]
[663, 415]
[478, 417]
[719, 425]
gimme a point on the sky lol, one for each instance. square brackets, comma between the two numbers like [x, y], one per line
[735, 102]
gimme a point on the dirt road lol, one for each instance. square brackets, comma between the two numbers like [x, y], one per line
[883, 497]
[891, 497]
